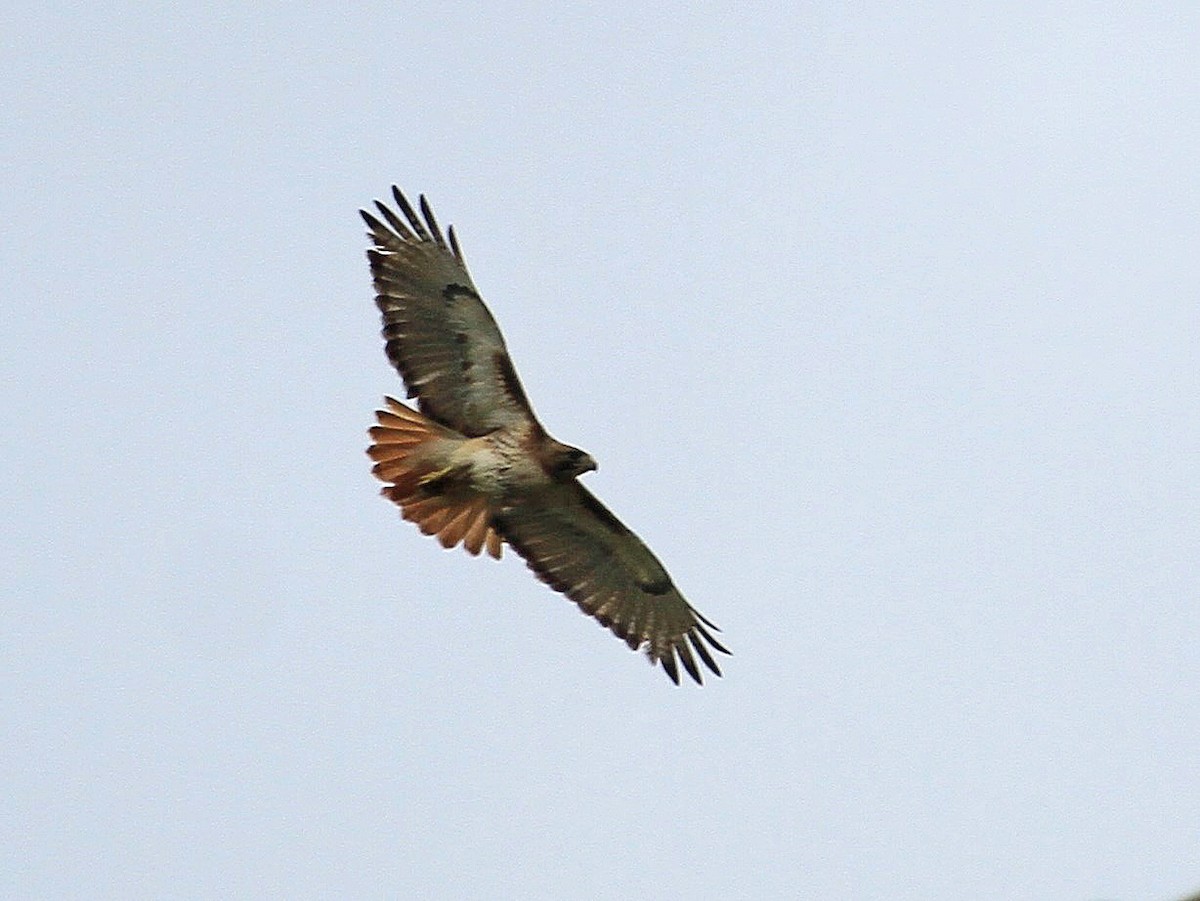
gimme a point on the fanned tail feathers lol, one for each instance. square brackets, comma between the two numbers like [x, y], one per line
[398, 449]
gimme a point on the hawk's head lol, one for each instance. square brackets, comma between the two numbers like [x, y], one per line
[567, 462]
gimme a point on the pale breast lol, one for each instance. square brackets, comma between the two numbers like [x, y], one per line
[500, 463]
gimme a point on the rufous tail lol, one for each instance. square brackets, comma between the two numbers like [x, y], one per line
[398, 442]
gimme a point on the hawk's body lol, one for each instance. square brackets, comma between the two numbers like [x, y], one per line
[475, 467]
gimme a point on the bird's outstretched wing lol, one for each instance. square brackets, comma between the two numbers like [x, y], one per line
[440, 336]
[578, 547]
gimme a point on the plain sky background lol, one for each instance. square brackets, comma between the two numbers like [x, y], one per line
[882, 322]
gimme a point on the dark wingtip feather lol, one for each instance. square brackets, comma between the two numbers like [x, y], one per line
[454, 243]
[708, 637]
[668, 664]
[394, 221]
[703, 652]
[689, 662]
[409, 213]
[427, 212]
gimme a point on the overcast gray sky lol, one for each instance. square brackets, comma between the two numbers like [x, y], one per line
[883, 325]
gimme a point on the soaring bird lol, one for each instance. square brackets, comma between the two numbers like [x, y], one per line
[473, 465]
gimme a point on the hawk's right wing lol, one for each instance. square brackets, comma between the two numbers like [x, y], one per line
[440, 336]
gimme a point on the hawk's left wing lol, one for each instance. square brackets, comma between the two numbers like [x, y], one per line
[576, 546]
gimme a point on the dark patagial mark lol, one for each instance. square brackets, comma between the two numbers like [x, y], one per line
[512, 384]
[602, 513]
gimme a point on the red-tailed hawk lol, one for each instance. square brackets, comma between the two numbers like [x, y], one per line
[475, 467]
